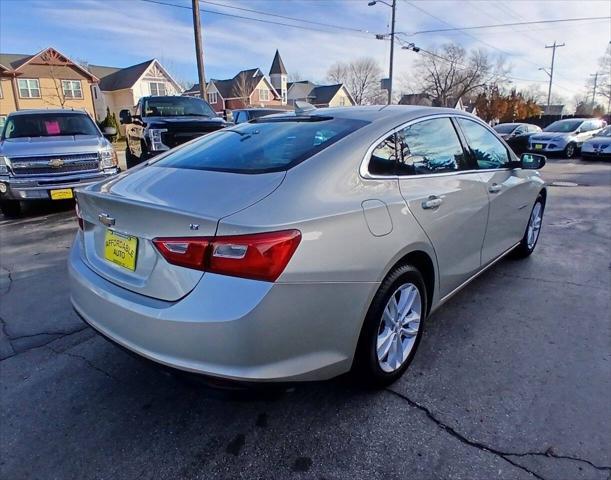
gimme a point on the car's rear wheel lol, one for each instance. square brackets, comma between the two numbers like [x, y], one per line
[10, 208]
[570, 150]
[533, 229]
[392, 329]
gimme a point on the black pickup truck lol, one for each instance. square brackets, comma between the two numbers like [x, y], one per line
[161, 123]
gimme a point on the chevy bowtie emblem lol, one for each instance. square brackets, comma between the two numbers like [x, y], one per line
[56, 162]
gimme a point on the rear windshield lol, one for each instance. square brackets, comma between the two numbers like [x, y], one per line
[505, 127]
[265, 146]
[48, 125]
[177, 107]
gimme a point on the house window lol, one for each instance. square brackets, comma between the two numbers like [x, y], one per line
[28, 88]
[1, 94]
[157, 88]
[213, 97]
[342, 101]
[283, 96]
[72, 89]
[264, 95]
[2, 122]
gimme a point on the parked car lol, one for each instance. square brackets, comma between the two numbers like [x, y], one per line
[302, 246]
[161, 123]
[45, 154]
[517, 135]
[246, 114]
[565, 136]
[598, 147]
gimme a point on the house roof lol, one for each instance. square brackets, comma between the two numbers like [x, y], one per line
[323, 94]
[549, 109]
[13, 60]
[277, 65]
[112, 78]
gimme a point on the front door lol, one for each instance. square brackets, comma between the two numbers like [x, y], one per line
[447, 200]
[507, 188]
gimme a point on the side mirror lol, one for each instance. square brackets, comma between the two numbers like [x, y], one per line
[532, 161]
[125, 116]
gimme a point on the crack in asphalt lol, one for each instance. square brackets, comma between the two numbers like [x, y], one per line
[481, 446]
[56, 336]
[545, 280]
[88, 362]
[10, 279]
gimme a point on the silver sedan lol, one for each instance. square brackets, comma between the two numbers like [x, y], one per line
[304, 245]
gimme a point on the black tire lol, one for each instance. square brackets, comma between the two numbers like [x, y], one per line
[570, 151]
[130, 159]
[366, 369]
[523, 250]
[10, 208]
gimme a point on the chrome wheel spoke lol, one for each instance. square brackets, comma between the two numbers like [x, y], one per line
[399, 326]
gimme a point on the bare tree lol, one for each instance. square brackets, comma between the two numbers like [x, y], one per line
[361, 77]
[241, 89]
[295, 76]
[452, 72]
[51, 59]
[604, 79]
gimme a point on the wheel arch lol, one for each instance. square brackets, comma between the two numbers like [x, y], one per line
[425, 264]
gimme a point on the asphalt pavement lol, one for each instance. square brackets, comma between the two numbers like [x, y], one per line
[512, 379]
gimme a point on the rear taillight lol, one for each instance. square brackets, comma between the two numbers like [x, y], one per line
[260, 256]
[79, 218]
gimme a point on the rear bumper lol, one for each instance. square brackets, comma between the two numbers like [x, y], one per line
[231, 328]
[38, 188]
[596, 156]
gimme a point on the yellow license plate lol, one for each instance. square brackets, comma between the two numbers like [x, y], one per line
[538, 146]
[121, 249]
[61, 194]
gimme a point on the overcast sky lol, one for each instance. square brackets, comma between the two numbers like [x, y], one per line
[125, 32]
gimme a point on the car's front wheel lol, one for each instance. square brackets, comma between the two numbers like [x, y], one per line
[392, 329]
[10, 208]
[570, 150]
[533, 229]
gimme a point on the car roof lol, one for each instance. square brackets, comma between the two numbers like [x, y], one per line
[47, 110]
[266, 109]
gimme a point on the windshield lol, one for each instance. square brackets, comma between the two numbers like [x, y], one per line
[48, 125]
[176, 107]
[606, 132]
[563, 126]
[505, 127]
[265, 146]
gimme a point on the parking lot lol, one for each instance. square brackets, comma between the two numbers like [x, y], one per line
[512, 380]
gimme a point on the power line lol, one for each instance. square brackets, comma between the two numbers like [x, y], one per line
[536, 22]
[244, 17]
[295, 19]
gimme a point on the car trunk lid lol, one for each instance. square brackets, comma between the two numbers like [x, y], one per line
[156, 202]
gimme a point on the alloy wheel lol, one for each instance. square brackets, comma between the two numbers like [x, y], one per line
[534, 225]
[399, 327]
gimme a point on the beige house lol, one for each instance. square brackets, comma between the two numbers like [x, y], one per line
[47, 79]
[121, 88]
[320, 95]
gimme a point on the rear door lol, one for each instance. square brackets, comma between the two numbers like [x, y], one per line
[508, 189]
[445, 196]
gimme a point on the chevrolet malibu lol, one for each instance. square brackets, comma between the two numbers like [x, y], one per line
[303, 245]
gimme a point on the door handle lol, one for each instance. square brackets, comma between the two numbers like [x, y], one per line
[432, 202]
[495, 188]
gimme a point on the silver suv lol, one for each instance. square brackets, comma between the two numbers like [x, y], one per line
[44, 154]
[565, 136]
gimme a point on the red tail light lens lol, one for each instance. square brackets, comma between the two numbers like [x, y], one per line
[260, 256]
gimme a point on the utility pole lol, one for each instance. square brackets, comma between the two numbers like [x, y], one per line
[595, 75]
[551, 72]
[199, 50]
[392, 50]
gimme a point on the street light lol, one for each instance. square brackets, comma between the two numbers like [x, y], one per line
[392, 5]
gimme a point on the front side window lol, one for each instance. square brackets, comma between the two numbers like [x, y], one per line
[72, 88]
[487, 149]
[430, 146]
[157, 88]
[264, 95]
[264, 145]
[48, 125]
[28, 88]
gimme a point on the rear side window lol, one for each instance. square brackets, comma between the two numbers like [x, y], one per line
[264, 146]
[430, 146]
[488, 150]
